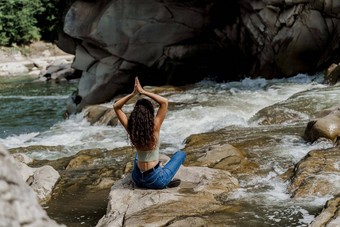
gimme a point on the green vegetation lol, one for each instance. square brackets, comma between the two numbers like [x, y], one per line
[22, 21]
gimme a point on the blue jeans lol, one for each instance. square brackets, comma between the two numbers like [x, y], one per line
[161, 176]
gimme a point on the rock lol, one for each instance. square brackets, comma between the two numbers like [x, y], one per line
[101, 115]
[200, 187]
[13, 68]
[300, 107]
[80, 162]
[41, 180]
[171, 42]
[225, 157]
[85, 182]
[330, 215]
[212, 150]
[332, 74]
[89, 168]
[40, 63]
[22, 158]
[326, 125]
[34, 73]
[25, 171]
[18, 202]
[317, 174]
[60, 70]
[34, 60]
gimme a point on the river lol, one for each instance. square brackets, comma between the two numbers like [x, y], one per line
[31, 115]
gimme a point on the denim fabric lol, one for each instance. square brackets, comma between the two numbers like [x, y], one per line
[162, 176]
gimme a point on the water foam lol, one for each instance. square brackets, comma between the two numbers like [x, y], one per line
[205, 106]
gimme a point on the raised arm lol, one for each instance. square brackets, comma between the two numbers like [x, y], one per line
[118, 108]
[163, 102]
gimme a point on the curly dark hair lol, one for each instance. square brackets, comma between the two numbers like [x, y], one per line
[141, 125]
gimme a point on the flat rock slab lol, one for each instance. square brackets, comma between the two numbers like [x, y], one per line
[196, 196]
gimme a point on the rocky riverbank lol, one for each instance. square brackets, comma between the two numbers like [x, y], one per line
[220, 165]
[40, 60]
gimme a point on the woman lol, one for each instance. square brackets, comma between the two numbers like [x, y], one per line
[143, 129]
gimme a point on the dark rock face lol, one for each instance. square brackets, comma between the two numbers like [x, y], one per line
[178, 42]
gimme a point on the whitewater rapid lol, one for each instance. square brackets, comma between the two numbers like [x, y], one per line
[203, 107]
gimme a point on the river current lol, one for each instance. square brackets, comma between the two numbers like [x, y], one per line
[31, 115]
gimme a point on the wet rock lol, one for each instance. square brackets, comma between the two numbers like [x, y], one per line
[317, 174]
[225, 157]
[42, 180]
[332, 74]
[212, 150]
[199, 187]
[164, 90]
[325, 125]
[300, 107]
[330, 215]
[31, 149]
[80, 162]
[85, 181]
[90, 168]
[18, 202]
[101, 115]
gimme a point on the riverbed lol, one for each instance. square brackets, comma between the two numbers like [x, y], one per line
[31, 115]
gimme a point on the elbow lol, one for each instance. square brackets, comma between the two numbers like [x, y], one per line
[165, 102]
[115, 107]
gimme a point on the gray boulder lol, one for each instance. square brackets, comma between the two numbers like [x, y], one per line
[176, 42]
[18, 203]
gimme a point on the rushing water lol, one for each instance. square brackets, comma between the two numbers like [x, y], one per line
[31, 116]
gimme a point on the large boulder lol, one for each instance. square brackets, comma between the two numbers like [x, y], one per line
[197, 195]
[18, 203]
[325, 125]
[176, 42]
